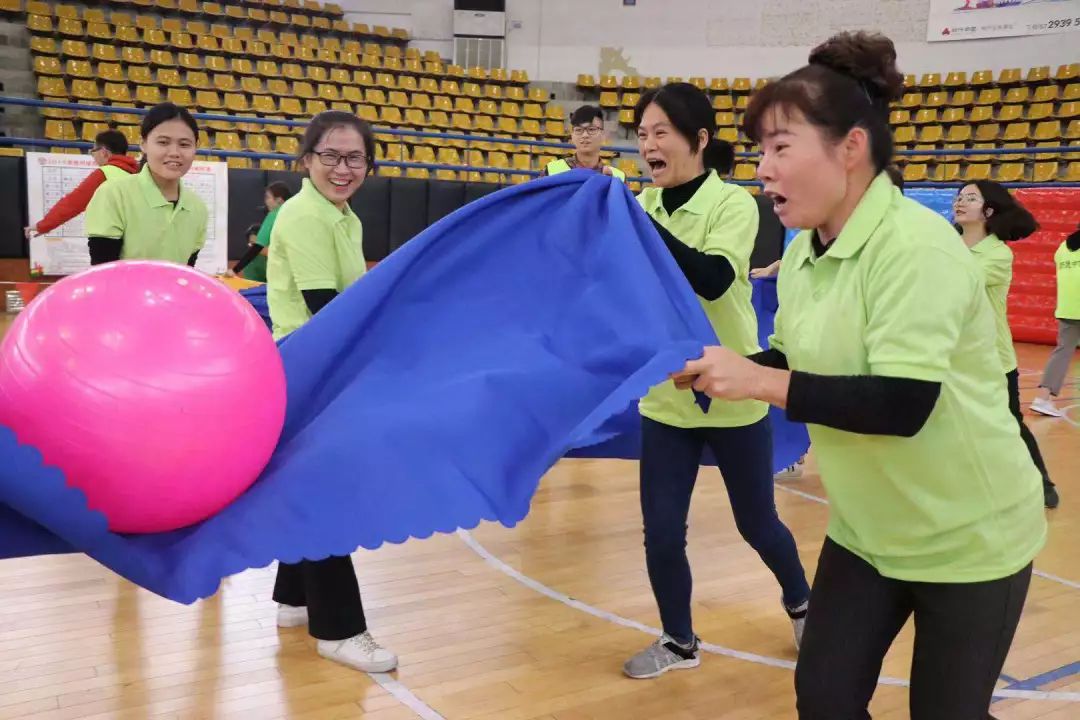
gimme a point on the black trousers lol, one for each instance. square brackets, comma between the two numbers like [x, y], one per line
[329, 590]
[962, 634]
[1013, 381]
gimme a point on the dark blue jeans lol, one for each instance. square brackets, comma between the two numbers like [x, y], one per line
[670, 458]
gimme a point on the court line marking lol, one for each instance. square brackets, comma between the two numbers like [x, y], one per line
[537, 586]
[820, 500]
[405, 696]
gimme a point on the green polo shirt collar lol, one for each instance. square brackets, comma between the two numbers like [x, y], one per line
[702, 202]
[318, 202]
[863, 222]
[153, 195]
[987, 243]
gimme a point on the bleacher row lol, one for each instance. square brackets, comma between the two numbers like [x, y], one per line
[139, 60]
[272, 13]
[955, 113]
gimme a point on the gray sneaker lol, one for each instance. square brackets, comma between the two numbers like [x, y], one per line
[663, 655]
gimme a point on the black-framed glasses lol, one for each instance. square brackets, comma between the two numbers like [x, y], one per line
[590, 130]
[332, 158]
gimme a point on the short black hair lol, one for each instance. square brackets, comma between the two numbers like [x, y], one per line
[585, 114]
[280, 190]
[326, 121]
[163, 112]
[112, 140]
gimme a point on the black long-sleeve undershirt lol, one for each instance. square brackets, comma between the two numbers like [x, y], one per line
[864, 404]
[316, 300]
[709, 275]
[105, 250]
[250, 254]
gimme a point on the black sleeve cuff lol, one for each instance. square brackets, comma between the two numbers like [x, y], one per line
[104, 250]
[864, 404]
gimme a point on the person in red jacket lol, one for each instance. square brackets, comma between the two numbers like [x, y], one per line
[110, 153]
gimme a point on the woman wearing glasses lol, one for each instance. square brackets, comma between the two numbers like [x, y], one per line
[315, 253]
[587, 136]
[988, 216]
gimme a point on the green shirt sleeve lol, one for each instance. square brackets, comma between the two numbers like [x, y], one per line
[916, 304]
[307, 248]
[267, 226]
[996, 266]
[733, 231]
[104, 214]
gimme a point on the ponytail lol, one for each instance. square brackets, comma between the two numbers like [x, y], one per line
[1073, 241]
[719, 155]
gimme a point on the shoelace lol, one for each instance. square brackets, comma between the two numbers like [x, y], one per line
[367, 643]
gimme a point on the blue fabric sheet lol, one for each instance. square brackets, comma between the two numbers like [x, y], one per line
[431, 395]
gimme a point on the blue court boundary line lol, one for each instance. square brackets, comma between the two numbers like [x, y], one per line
[1037, 682]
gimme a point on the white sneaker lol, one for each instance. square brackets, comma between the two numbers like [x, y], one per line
[359, 652]
[798, 621]
[290, 617]
[1045, 407]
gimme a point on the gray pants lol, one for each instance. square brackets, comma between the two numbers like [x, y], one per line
[1058, 364]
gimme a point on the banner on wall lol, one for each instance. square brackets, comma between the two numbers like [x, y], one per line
[974, 19]
[63, 251]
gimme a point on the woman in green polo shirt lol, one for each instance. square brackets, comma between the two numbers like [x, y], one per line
[988, 216]
[151, 215]
[252, 265]
[316, 252]
[881, 346]
[709, 227]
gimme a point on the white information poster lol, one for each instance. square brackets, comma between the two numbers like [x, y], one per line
[63, 251]
[972, 19]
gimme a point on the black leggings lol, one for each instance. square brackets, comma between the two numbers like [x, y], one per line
[1012, 379]
[962, 634]
[328, 589]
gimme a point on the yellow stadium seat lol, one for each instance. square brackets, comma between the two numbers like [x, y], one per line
[252, 85]
[441, 102]
[79, 69]
[43, 45]
[1010, 172]
[1011, 76]
[198, 80]
[911, 100]
[531, 128]
[699, 83]
[47, 65]
[85, 90]
[1017, 95]
[741, 85]
[931, 134]
[70, 28]
[539, 95]
[725, 119]
[236, 103]
[959, 134]
[723, 102]
[180, 96]
[1045, 171]
[716, 85]
[264, 105]
[982, 78]
[292, 107]
[74, 49]
[1045, 94]
[963, 98]
[981, 114]
[946, 172]
[956, 79]
[493, 92]
[987, 132]
[52, 87]
[1038, 74]
[915, 172]
[989, 96]
[981, 158]
[977, 171]
[60, 130]
[1017, 131]
[745, 172]
[728, 134]
[117, 92]
[208, 100]
[1066, 73]
[555, 128]
[899, 117]
[936, 99]
[904, 135]
[554, 112]
[1069, 110]
[510, 109]
[148, 95]
[609, 100]
[1072, 173]
[922, 117]
[952, 116]
[929, 81]
[1040, 111]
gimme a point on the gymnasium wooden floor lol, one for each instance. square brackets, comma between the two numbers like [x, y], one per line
[486, 627]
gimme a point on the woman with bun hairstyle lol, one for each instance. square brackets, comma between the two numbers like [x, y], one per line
[881, 347]
[710, 227]
[988, 216]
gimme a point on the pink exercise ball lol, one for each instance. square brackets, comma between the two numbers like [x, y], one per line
[157, 390]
